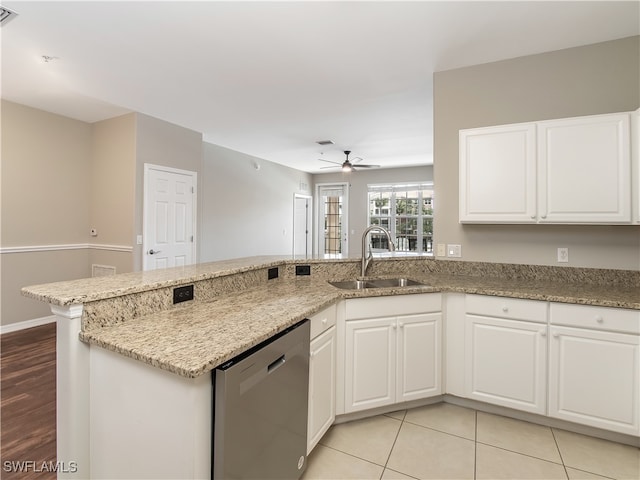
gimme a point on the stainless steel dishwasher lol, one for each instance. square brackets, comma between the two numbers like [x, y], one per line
[260, 409]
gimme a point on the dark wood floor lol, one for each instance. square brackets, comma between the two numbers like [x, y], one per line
[28, 403]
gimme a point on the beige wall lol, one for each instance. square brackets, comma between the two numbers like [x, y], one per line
[358, 182]
[44, 202]
[113, 160]
[587, 80]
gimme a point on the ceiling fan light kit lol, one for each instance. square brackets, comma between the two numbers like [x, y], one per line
[347, 166]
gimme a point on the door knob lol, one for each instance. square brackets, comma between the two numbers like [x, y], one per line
[153, 252]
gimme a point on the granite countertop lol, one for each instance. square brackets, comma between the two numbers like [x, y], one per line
[205, 335]
[202, 336]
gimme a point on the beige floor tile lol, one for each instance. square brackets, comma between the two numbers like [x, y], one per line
[399, 415]
[580, 475]
[370, 438]
[598, 456]
[495, 463]
[517, 436]
[324, 463]
[446, 418]
[424, 453]
[393, 475]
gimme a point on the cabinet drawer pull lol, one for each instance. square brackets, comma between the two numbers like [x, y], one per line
[599, 319]
[543, 333]
[324, 321]
[505, 309]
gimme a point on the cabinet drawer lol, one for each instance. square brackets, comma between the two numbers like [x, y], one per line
[596, 318]
[392, 306]
[322, 321]
[501, 307]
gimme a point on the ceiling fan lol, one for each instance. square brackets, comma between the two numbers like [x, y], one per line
[348, 166]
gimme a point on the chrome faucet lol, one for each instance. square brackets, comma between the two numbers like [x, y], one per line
[366, 259]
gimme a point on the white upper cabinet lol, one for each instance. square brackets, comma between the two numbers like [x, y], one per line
[498, 174]
[574, 170]
[584, 167]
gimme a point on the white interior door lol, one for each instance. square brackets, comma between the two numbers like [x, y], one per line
[302, 225]
[169, 217]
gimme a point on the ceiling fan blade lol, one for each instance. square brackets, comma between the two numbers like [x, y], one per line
[330, 161]
[358, 165]
[337, 166]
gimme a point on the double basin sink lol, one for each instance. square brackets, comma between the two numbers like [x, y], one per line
[376, 283]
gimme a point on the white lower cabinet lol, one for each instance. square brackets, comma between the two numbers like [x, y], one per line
[594, 370]
[322, 376]
[506, 352]
[395, 357]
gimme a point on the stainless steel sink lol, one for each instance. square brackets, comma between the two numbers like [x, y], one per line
[352, 284]
[393, 282]
[376, 283]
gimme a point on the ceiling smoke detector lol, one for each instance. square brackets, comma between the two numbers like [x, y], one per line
[6, 15]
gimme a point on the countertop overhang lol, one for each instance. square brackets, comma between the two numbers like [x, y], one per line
[191, 339]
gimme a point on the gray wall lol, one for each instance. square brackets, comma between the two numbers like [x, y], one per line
[246, 211]
[594, 79]
[358, 182]
[169, 145]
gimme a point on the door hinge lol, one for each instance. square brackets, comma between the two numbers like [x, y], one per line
[193, 189]
[191, 238]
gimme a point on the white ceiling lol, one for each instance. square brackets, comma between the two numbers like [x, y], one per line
[271, 78]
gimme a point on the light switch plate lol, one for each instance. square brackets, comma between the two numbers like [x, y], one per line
[454, 251]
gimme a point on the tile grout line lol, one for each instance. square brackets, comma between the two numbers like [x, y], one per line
[394, 444]
[555, 440]
[475, 446]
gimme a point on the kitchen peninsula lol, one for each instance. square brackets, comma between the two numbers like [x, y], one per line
[122, 341]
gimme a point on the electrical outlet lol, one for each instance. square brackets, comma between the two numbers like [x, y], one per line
[441, 250]
[563, 255]
[272, 273]
[182, 294]
[454, 251]
[303, 270]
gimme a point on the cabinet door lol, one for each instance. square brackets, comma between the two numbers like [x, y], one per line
[506, 362]
[498, 174]
[322, 386]
[594, 378]
[370, 363]
[419, 365]
[584, 170]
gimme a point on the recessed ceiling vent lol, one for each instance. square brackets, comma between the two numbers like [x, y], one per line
[6, 15]
[325, 142]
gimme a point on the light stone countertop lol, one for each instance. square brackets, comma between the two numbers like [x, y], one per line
[199, 337]
[193, 338]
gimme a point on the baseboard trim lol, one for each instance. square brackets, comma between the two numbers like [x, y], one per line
[36, 322]
[70, 246]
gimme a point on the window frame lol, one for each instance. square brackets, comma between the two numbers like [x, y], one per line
[423, 240]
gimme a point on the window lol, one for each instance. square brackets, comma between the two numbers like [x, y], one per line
[406, 210]
[332, 220]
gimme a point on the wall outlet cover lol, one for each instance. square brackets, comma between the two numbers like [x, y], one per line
[182, 294]
[441, 250]
[563, 255]
[303, 269]
[454, 251]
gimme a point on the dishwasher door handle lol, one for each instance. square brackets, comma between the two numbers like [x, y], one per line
[273, 366]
